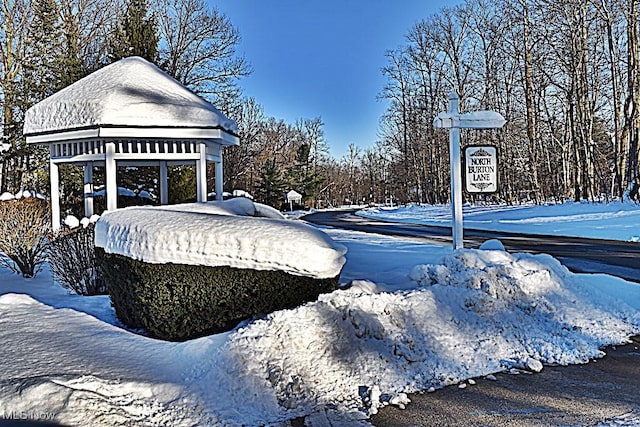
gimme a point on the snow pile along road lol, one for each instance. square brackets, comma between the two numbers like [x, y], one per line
[470, 313]
[479, 312]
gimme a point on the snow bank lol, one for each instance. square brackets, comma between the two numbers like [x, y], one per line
[477, 313]
[469, 314]
[220, 234]
[6, 196]
[66, 364]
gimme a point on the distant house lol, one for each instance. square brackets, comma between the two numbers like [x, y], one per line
[129, 113]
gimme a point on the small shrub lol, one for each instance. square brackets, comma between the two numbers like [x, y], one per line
[24, 231]
[177, 302]
[73, 261]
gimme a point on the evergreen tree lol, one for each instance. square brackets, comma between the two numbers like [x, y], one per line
[136, 33]
[182, 184]
[271, 187]
[71, 58]
[26, 164]
[42, 69]
[302, 177]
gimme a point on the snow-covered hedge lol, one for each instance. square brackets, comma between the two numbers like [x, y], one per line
[236, 233]
[176, 302]
[187, 270]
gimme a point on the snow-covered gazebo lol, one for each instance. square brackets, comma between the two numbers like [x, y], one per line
[293, 197]
[129, 113]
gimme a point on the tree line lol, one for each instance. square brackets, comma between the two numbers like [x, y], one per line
[564, 73]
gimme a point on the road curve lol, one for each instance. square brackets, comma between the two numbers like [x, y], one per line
[580, 255]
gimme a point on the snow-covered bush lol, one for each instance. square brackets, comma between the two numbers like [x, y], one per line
[24, 231]
[181, 271]
[73, 261]
[176, 302]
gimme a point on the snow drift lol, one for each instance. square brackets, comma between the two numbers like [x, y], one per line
[464, 314]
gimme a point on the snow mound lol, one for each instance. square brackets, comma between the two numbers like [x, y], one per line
[89, 400]
[6, 196]
[492, 245]
[71, 221]
[220, 234]
[240, 206]
[477, 313]
[23, 194]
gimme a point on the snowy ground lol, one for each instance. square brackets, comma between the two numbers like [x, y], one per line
[615, 220]
[416, 317]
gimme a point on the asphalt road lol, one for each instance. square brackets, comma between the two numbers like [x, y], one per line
[577, 395]
[580, 255]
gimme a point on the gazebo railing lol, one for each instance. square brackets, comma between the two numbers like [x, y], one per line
[69, 149]
[76, 148]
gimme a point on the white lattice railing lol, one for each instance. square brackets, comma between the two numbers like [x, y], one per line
[145, 147]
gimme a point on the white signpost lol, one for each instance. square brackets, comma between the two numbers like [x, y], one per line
[454, 121]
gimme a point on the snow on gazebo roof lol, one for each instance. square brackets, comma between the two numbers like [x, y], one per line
[293, 195]
[129, 94]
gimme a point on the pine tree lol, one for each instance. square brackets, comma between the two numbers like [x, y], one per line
[270, 189]
[40, 78]
[136, 33]
[42, 70]
[182, 184]
[302, 177]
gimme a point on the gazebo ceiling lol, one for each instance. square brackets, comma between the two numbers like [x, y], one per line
[131, 98]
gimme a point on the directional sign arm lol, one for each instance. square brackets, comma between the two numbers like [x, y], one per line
[473, 120]
[481, 120]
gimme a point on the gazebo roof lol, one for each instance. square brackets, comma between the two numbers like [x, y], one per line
[129, 98]
[293, 195]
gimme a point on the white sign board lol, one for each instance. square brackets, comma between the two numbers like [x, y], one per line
[481, 169]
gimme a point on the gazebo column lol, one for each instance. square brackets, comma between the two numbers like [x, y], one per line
[88, 189]
[219, 179]
[164, 183]
[201, 175]
[110, 172]
[54, 179]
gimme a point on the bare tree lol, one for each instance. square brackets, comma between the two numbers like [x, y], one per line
[198, 47]
[24, 230]
[631, 128]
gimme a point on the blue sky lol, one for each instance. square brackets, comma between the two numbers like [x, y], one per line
[323, 58]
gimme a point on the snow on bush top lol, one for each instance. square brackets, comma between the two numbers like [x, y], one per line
[130, 92]
[6, 196]
[220, 234]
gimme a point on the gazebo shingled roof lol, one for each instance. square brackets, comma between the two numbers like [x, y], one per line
[129, 113]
